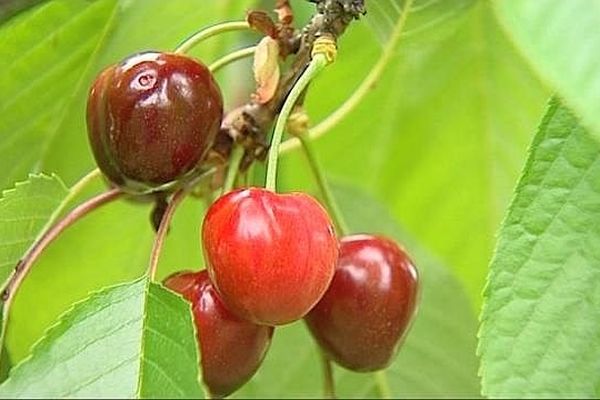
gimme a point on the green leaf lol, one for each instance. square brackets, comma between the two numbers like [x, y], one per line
[440, 138]
[131, 340]
[562, 41]
[540, 326]
[24, 213]
[437, 359]
[43, 56]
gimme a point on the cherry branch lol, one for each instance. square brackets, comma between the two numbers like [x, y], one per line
[250, 124]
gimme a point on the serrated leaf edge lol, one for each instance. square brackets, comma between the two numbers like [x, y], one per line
[35, 348]
[11, 193]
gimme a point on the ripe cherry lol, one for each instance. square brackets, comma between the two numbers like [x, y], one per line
[271, 256]
[152, 119]
[231, 349]
[364, 315]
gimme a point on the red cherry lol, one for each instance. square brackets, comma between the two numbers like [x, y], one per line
[152, 119]
[364, 315]
[271, 256]
[231, 349]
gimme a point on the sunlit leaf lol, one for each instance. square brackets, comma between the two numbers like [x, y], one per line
[132, 340]
[541, 325]
[561, 40]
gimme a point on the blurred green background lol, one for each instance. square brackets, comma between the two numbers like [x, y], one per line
[431, 156]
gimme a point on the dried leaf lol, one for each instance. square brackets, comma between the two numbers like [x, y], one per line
[262, 22]
[266, 69]
[284, 12]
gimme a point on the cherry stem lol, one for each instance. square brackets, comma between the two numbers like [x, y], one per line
[24, 265]
[231, 58]
[383, 385]
[209, 32]
[237, 154]
[317, 64]
[163, 229]
[328, 381]
[363, 89]
[324, 187]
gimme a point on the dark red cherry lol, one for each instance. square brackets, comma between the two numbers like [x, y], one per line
[152, 119]
[231, 349]
[362, 318]
[271, 256]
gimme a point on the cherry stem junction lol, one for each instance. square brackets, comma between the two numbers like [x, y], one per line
[163, 229]
[323, 54]
[324, 187]
[231, 58]
[209, 32]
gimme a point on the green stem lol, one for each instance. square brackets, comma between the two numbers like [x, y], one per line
[316, 65]
[328, 381]
[80, 185]
[211, 31]
[364, 88]
[383, 386]
[324, 187]
[231, 57]
[237, 154]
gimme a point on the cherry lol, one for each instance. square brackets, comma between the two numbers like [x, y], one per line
[364, 315]
[271, 256]
[152, 119]
[231, 349]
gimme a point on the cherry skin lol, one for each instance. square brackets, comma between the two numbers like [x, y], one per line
[271, 256]
[152, 119]
[231, 349]
[362, 318]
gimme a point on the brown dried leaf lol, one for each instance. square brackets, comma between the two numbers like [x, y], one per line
[266, 69]
[262, 22]
[284, 12]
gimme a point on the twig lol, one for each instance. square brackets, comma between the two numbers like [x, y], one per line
[163, 228]
[252, 122]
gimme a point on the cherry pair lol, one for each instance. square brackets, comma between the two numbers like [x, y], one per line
[274, 259]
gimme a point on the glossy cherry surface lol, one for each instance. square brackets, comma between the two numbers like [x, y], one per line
[152, 119]
[271, 256]
[231, 349]
[362, 318]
